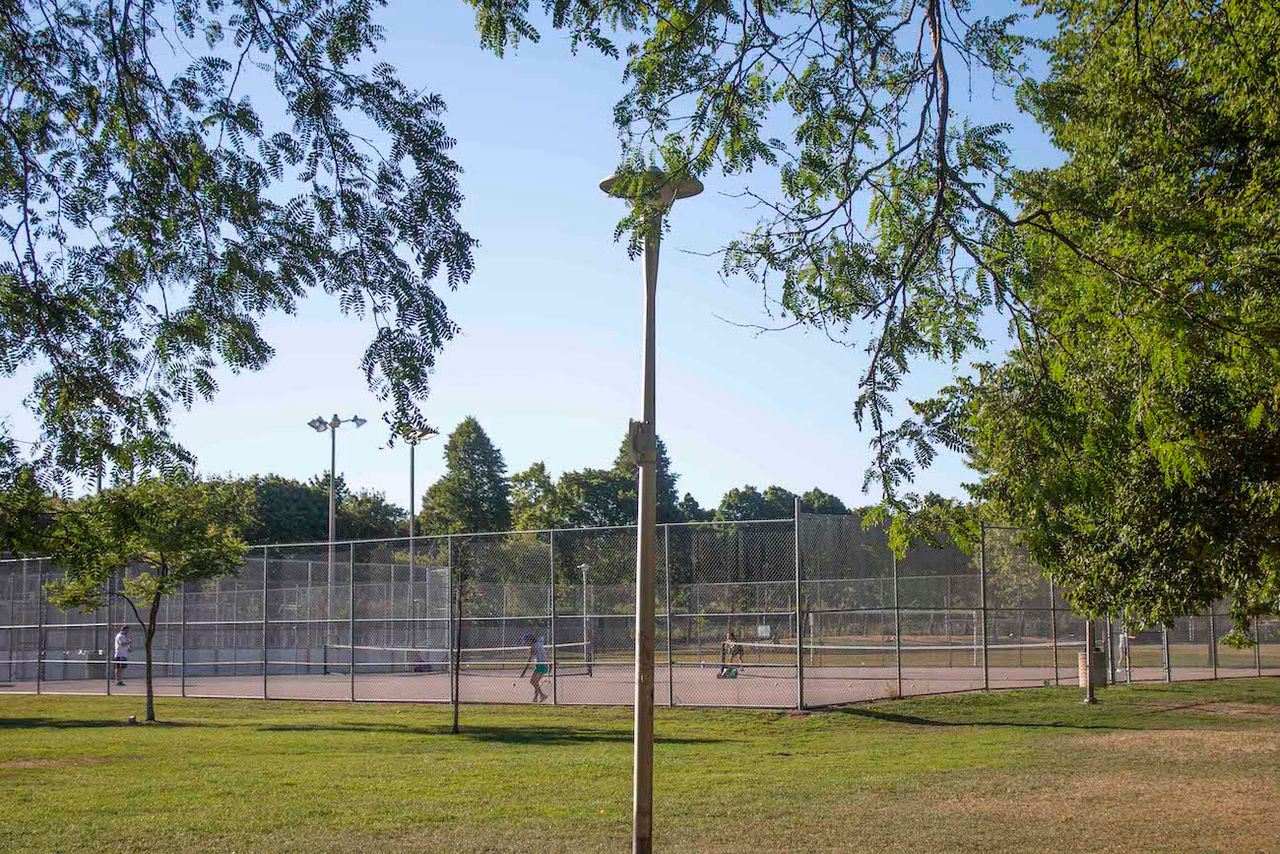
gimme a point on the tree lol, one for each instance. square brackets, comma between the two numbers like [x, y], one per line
[668, 498]
[287, 511]
[153, 213]
[368, 515]
[889, 217]
[1134, 430]
[597, 497]
[822, 503]
[741, 505]
[169, 532]
[474, 494]
[535, 504]
[691, 511]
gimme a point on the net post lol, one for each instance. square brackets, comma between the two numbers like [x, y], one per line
[351, 617]
[39, 621]
[264, 622]
[795, 542]
[1257, 644]
[1168, 663]
[182, 611]
[982, 602]
[1213, 642]
[1053, 628]
[897, 621]
[666, 559]
[555, 697]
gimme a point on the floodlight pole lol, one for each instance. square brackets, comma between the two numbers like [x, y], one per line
[320, 425]
[656, 192]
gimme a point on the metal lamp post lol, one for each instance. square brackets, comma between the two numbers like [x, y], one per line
[655, 192]
[320, 425]
[413, 437]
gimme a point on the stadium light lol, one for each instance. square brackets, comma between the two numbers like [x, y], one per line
[413, 436]
[320, 425]
[651, 193]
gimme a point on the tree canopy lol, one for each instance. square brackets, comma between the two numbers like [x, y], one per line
[144, 541]
[474, 494]
[1134, 427]
[153, 212]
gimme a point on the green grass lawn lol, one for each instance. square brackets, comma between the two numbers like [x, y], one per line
[1183, 767]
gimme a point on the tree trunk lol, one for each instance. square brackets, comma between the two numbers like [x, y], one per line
[150, 630]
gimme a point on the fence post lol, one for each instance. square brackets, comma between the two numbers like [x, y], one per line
[1111, 658]
[982, 602]
[1257, 645]
[108, 652]
[587, 652]
[182, 639]
[1213, 643]
[1053, 627]
[666, 554]
[897, 621]
[39, 622]
[264, 622]
[351, 616]
[555, 697]
[799, 613]
[457, 651]
[453, 663]
[1168, 662]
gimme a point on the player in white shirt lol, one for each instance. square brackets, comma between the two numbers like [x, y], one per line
[537, 655]
[121, 658]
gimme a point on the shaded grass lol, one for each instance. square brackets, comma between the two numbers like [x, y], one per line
[1190, 766]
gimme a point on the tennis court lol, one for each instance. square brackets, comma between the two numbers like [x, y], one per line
[813, 611]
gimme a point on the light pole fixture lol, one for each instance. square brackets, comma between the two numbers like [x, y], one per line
[320, 425]
[652, 193]
[413, 436]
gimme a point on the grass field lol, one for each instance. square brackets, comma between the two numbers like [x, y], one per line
[1182, 767]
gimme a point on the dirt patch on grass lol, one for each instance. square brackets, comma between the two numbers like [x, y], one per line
[48, 763]
[1255, 711]
[1187, 742]
[1166, 813]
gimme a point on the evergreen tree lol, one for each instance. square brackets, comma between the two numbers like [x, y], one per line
[668, 498]
[535, 502]
[474, 494]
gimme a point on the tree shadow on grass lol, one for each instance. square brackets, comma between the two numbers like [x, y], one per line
[525, 734]
[90, 723]
[916, 720]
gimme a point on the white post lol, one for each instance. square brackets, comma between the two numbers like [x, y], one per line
[264, 622]
[351, 615]
[897, 621]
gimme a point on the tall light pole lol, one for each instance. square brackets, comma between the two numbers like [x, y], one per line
[320, 425]
[653, 193]
[413, 437]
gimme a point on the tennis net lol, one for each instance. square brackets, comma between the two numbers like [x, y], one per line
[565, 659]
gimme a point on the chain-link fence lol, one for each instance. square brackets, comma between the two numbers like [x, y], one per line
[809, 612]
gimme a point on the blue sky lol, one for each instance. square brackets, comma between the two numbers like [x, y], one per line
[549, 354]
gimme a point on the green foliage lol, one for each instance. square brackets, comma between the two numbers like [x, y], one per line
[152, 213]
[884, 228]
[147, 540]
[822, 503]
[1134, 428]
[746, 503]
[691, 511]
[596, 497]
[474, 494]
[668, 498]
[535, 502]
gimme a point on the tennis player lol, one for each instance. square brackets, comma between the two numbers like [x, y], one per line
[538, 657]
[730, 651]
[121, 658]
